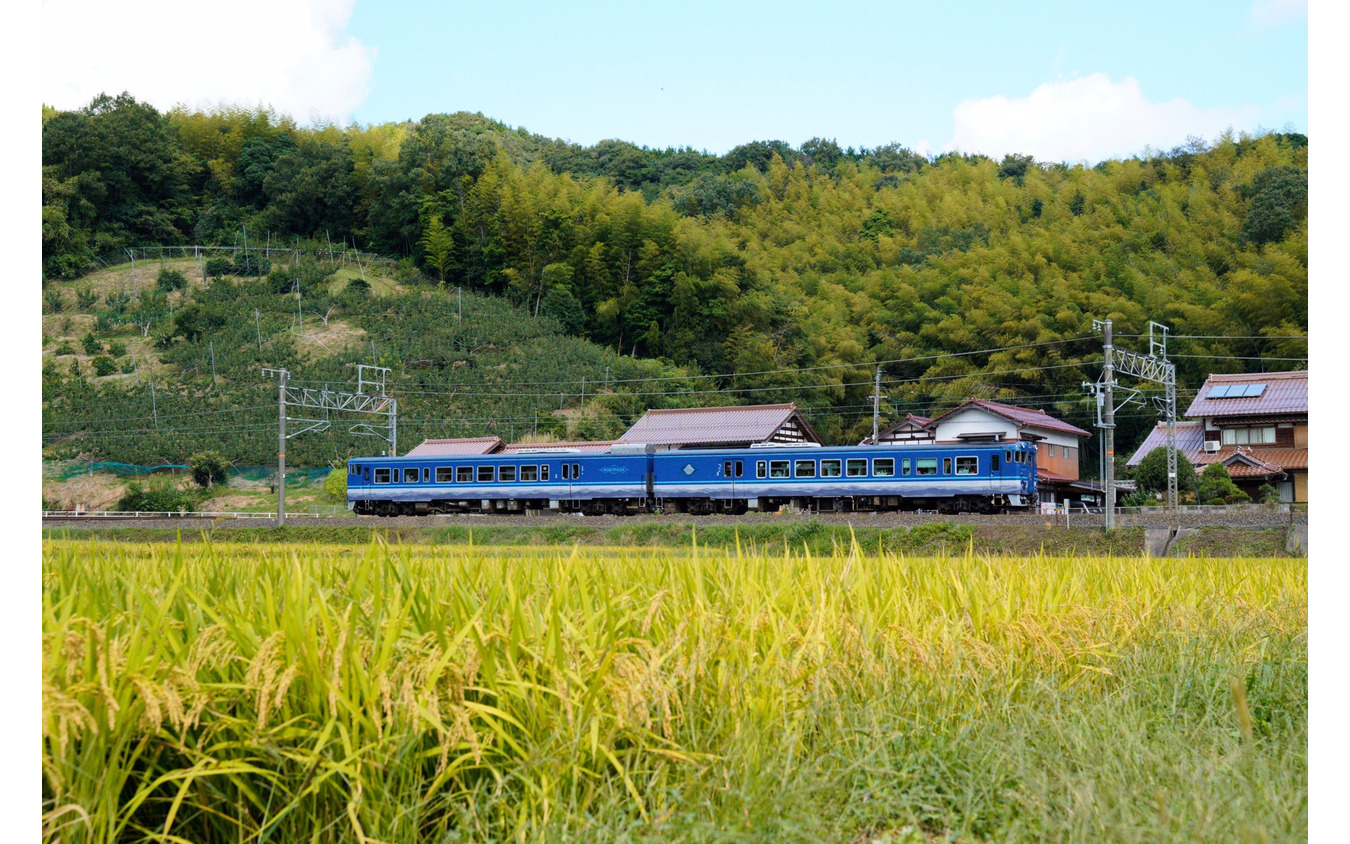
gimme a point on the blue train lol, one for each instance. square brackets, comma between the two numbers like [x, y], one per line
[628, 479]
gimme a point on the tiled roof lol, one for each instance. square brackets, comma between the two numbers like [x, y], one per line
[467, 445]
[585, 446]
[1285, 392]
[1045, 474]
[1190, 442]
[713, 425]
[1020, 415]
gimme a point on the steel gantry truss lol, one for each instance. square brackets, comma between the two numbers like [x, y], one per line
[327, 402]
[1154, 367]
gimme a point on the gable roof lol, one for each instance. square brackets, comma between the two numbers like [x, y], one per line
[713, 425]
[583, 445]
[462, 446]
[1191, 443]
[1285, 392]
[1018, 415]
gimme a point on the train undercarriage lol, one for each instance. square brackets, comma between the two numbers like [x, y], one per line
[692, 506]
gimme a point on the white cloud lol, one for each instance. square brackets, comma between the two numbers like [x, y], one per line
[293, 55]
[1275, 12]
[1091, 119]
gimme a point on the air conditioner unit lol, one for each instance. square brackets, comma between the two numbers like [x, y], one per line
[1211, 446]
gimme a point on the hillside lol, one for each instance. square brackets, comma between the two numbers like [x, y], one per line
[785, 270]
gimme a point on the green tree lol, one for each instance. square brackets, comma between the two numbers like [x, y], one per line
[208, 468]
[1151, 473]
[168, 280]
[1279, 202]
[438, 244]
[335, 485]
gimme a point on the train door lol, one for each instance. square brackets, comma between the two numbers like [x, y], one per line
[997, 459]
[733, 470]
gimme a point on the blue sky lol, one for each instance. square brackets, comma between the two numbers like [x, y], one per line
[1063, 81]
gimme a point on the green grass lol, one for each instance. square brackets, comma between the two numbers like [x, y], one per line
[213, 691]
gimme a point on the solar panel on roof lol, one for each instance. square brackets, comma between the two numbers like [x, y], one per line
[1254, 390]
[1218, 391]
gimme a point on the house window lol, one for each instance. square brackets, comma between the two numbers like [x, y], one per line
[761, 468]
[805, 468]
[831, 468]
[1049, 450]
[485, 474]
[778, 468]
[507, 474]
[856, 468]
[883, 467]
[967, 465]
[529, 474]
[464, 475]
[925, 466]
[381, 476]
[1256, 435]
[444, 474]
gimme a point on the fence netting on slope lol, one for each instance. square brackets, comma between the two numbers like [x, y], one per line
[72, 469]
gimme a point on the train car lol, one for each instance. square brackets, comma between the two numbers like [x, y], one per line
[635, 478]
[947, 478]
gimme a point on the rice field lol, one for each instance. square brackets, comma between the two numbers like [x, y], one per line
[374, 693]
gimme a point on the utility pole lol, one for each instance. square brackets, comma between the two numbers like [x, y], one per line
[876, 409]
[281, 443]
[154, 408]
[213, 362]
[1109, 378]
[459, 307]
[257, 322]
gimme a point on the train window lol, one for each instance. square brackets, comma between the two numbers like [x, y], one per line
[761, 469]
[726, 468]
[464, 475]
[381, 476]
[485, 474]
[883, 467]
[352, 469]
[778, 468]
[856, 468]
[543, 472]
[1021, 457]
[444, 474]
[740, 468]
[410, 476]
[1007, 455]
[366, 474]
[831, 468]
[529, 473]
[993, 462]
[925, 466]
[904, 467]
[967, 465]
[567, 471]
[576, 470]
[946, 465]
[426, 474]
[805, 468]
[506, 474]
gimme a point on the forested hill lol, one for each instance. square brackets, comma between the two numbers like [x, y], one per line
[802, 264]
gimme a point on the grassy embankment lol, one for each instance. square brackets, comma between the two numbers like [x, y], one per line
[365, 692]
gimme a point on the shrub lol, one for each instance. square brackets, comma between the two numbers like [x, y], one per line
[168, 280]
[335, 485]
[129, 366]
[1269, 494]
[217, 267]
[117, 348]
[1151, 473]
[1217, 485]
[104, 366]
[64, 348]
[92, 345]
[161, 497]
[85, 298]
[1139, 499]
[208, 468]
[54, 300]
[249, 264]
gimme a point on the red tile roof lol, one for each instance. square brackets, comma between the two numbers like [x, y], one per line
[1285, 393]
[584, 446]
[466, 445]
[714, 425]
[1020, 415]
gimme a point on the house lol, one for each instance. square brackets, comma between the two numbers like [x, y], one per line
[1256, 425]
[722, 427]
[978, 420]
